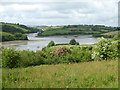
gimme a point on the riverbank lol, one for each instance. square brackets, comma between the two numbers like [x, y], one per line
[34, 42]
[17, 41]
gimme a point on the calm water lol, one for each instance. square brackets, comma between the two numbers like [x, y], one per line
[37, 43]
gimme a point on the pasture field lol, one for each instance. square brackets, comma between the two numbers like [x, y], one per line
[94, 74]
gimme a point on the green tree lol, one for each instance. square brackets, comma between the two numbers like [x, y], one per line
[72, 42]
[10, 58]
[51, 44]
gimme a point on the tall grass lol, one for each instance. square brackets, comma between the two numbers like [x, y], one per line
[96, 74]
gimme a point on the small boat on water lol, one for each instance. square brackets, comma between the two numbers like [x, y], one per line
[38, 47]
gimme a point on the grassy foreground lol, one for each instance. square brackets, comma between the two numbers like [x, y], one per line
[96, 74]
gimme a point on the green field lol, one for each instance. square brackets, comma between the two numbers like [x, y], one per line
[54, 32]
[96, 74]
[65, 32]
[76, 29]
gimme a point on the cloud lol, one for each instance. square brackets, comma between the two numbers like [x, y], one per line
[59, 12]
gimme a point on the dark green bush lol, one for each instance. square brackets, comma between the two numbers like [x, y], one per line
[51, 44]
[40, 56]
[79, 55]
[10, 58]
[27, 58]
[30, 58]
[67, 55]
[72, 42]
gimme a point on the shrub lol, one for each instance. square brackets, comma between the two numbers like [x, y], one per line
[27, 58]
[40, 56]
[62, 51]
[67, 55]
[30, 58]
[72, 42]
[10, 58]
[51, 44]
[105, 50]
[79, 54]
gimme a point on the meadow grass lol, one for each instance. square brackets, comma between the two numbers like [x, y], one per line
[95, 74]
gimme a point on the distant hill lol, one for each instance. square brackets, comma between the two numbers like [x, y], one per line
[76, 29]
[12, 31]
[17, 28]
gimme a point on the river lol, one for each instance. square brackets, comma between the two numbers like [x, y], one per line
[36, 43]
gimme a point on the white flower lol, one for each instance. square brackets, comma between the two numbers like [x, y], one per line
[101, 56]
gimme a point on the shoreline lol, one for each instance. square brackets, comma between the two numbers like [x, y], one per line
[65, 35]
[20, 41]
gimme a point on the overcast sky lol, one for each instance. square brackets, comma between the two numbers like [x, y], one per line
[59, 12]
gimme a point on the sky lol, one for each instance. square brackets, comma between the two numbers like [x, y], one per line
[60, 12]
